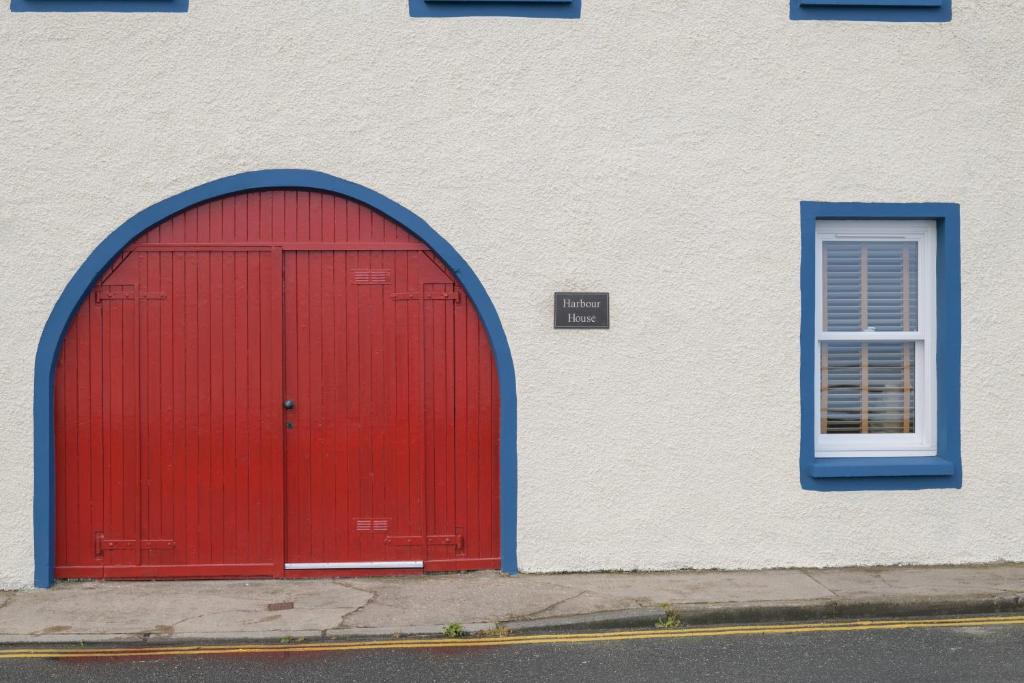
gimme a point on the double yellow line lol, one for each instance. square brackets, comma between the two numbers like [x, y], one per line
[545, 639]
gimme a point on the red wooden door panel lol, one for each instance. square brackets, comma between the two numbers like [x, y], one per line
[78, 445]
[210, 386]
[171, 453]
[357, 353]
[190, 431]
[118, 300]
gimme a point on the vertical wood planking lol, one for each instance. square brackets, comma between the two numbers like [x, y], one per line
[179, 439]
[190, 294]
[272, 462]
[229, 350]
[168, 408]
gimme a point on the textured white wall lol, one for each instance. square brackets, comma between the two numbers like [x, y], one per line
[657, 150]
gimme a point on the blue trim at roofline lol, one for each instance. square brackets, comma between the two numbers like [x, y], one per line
[44, 502]
[541, 9]
[877, 474]
[872, 10]
[99, 5]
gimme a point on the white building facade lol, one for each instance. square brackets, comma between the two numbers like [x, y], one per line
[805, 217]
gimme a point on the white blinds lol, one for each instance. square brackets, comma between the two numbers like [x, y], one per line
[870, 285]
[868, 386]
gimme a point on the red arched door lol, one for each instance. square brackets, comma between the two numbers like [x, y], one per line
[276, 383]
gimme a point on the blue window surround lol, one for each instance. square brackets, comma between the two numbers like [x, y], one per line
[544, 9]
[44, 500]
[99, 5]
[872, 10]
[860, 474]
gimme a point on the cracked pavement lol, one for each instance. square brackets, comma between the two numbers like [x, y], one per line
[153, 611]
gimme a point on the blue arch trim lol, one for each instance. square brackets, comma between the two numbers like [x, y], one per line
[44, 502]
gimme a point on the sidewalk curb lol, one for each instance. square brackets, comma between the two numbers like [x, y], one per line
[711, 614]
[689, 614]
[625, 618]
[916, 607]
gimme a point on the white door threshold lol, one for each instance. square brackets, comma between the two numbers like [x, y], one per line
[414, 564]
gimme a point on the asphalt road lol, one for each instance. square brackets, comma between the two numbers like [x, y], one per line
[948, 653]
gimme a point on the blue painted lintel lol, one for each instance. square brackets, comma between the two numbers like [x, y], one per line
[538, 9]
[872, 10]
[99, 5]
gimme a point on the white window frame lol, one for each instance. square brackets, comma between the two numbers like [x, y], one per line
[923, 441]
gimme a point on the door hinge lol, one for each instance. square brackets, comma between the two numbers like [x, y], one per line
[103, 543]
[428, 296]
[115, 292]
[126, 293]
[439, 539]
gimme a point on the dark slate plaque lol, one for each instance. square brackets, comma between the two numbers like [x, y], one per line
[581, 311]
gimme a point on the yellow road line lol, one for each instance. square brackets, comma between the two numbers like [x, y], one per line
[542, 639]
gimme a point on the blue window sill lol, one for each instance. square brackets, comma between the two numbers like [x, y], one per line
[99, 5]
[543, 9]
[872, 10]
[915, 466]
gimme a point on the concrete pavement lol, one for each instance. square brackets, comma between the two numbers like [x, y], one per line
[357, 607]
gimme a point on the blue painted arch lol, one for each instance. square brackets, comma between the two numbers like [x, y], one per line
[44, 501]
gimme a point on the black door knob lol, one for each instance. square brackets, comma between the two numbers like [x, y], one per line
[289, 404]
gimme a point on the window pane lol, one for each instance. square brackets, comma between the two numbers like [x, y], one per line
[867, 387]
[870, 285]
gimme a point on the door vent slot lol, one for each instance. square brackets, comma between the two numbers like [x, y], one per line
[372, 525]
[115, 292]
[371, 277]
